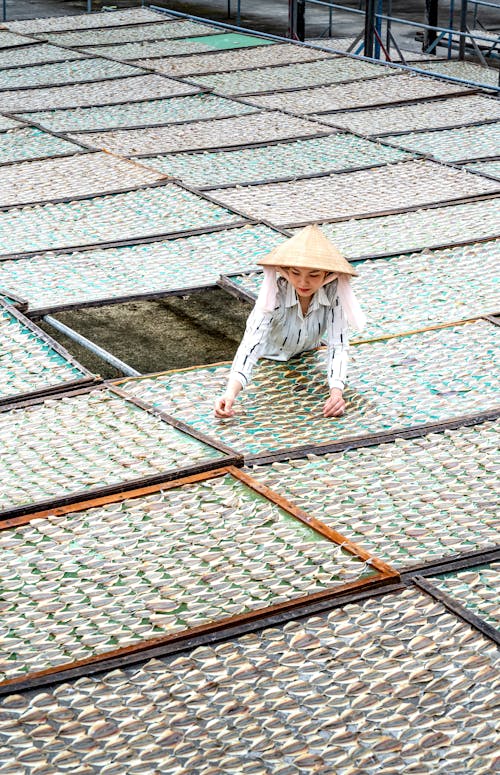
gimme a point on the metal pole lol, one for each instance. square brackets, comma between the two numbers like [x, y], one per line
[4, 10]
[431, 13]
[388, 27]
[94, 348]
[301, 19]
[292, 19]
[378, 27]
[238, 14]
[89, 6]
[330, 22]
[450, 25]
[369, 27]
[463, 29]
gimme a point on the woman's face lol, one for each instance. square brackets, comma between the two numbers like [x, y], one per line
[305, 281]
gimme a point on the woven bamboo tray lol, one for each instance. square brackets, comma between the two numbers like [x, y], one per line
[491, 168]
[406, 232]
[149, 112]
[252, 553]
[83, 21]
[52, 281]
[405, 382]
[293, 76]
[134, 215]
[158, 29]
[411, 292]
[320, 692]
[336, 197]
[93, 441]
[453, 145]
[39, 53]
[220, 61]
[31, 361]
[411, 501]
[474, 588]
[30, 143]
[284, 160]
[76, 71]
[223, 132]
[382, 91]
[181, 46]
[81, 175]
[435, 114]
[113, 91]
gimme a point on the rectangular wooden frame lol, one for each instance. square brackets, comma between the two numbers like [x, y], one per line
[87, 376]
[385, 575]
[228, 457]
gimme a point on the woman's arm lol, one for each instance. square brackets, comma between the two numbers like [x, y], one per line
[247, 355]
[337, 359]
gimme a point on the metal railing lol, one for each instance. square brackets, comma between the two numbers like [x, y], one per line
[370, 40]
[374, 16]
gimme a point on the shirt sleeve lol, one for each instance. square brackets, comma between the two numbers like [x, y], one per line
[251, 346]
[338, 346]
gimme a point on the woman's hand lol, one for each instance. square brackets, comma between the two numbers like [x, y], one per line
[335, 406]
[224, 405]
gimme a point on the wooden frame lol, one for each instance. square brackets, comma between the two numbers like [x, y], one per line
[87, 376]
[456, 608]
[228, 457]
[384, 575]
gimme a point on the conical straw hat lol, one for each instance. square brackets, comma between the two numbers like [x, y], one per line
[309, 249]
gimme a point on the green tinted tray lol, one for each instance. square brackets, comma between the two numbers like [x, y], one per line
[393, 684]
[29, 361]
[180, 558]
[399, 383]
[111, 273]
[411, 501]
[182, 46]
[415, 291]
[300, 157]
[29, 143]
[132, 215]
[160, 111]
[81, 443]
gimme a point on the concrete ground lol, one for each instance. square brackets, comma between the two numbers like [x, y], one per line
[159, 335]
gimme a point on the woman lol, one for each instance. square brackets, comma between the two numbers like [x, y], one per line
[305, 294]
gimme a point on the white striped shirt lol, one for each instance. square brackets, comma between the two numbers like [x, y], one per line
[286, 332]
